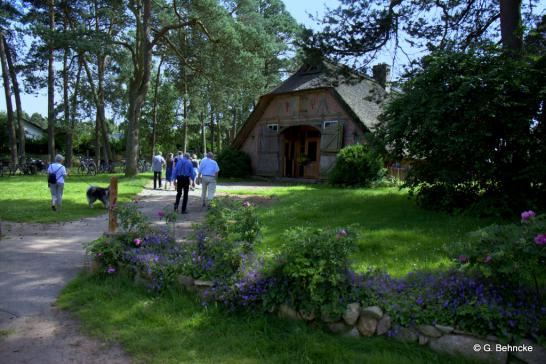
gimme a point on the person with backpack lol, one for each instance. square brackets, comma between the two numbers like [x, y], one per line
[55, 181]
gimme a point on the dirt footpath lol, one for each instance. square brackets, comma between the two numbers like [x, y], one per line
[37, 261]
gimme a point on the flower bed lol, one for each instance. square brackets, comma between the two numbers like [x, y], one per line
[311, 280]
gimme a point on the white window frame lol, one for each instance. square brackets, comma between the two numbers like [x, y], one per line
[273, 127]
[329, 123]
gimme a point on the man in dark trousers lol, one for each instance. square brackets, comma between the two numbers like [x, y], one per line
[157, 166]
[185, 175]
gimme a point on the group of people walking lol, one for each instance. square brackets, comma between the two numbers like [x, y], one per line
[186, 171]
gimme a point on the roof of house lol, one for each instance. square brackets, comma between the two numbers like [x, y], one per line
[362, 96]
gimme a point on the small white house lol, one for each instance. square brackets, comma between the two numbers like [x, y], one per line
[33, 131]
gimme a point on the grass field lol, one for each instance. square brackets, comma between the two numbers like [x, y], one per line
[393, 233]
[174, 328]
[27, 198]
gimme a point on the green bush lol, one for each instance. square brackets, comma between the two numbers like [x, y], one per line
[234, 163]
[310, 273]
[473, 125]
[356, 165]
[513, 253]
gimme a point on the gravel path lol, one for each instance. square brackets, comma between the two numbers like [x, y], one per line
[36, 262]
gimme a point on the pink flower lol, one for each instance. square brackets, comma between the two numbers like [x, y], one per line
[161, 214]
[246, 204]
[137, 242]
[463, 259]
[99, 254]
[341, 233]
[540, 239]
[111, 270]
[487, 259]
[526, 215]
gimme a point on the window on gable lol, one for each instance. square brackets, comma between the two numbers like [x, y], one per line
[329, 124]
[273, 127]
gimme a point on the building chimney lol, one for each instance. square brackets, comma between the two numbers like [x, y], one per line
[382, 74]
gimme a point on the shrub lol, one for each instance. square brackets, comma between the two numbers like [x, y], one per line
[473, 123]
[512, 252]
[234, 221]
[131, 220]
[234, 163]
[310, 272]
[470, 302]
[356, 165]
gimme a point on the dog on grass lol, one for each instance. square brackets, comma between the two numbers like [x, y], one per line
[95, 193]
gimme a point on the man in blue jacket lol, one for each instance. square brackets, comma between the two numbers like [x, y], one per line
[185, 175]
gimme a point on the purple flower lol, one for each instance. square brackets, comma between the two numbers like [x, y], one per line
[137, 242]
[111, 270]
[540, 239]
[487, 259]
[463, 259]
[341, 233]
[526, 215]
[99, 254]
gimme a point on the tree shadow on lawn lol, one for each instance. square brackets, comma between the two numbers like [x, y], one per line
[393, 233]
[175, 328]
[39, 210]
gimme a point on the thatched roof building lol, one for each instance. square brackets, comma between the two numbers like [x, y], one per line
[297, 129]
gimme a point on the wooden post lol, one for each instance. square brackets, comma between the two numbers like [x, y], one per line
[112, 222]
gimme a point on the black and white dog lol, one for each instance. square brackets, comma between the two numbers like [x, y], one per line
[95, 193]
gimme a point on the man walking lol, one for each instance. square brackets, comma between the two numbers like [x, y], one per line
[184, 176]
[208, 172]
[157, 165]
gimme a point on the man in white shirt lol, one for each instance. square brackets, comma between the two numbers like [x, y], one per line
[157, 166]
[208, 173]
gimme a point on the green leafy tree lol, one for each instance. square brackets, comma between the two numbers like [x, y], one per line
[472, 123]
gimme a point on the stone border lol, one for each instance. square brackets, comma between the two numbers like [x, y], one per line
[358, 321]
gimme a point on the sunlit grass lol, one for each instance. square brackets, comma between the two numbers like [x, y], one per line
[175, 328]
[27, 198]
[393, 233]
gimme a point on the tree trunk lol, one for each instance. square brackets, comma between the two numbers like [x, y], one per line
[17, 94]
[100, 108]
[234, 124]
[12, 136]
[74, 105]
[51, 88]
[203, 134]
[66, 106]
[185, 112]
[511, 29]
[211, 128]
[138, 87]
[219, 133]
[154, 112]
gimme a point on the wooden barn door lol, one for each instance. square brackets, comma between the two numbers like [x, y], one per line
[268, 152]
[312, 152]
[331, 142]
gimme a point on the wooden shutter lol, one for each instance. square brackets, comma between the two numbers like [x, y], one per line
[331, 138]
[268, 152]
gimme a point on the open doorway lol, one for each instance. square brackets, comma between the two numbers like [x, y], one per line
[301, 152]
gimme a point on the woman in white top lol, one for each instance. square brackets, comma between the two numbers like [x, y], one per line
[57, 188]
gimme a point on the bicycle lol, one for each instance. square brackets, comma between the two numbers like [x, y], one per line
[87, 166]
[105, 167]
[143, 166]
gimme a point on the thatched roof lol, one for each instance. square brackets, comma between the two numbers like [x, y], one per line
[362, 96]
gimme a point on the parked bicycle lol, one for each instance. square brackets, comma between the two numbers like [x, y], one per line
[87, 166]
[143, 166]
[106, 167]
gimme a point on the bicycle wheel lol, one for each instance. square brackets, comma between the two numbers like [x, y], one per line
[92, 169]
[82, 169]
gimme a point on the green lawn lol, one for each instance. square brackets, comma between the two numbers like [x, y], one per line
[27, 198]
[394, 234]
[174, 328]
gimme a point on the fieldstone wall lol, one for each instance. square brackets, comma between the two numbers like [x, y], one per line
[360, 321]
